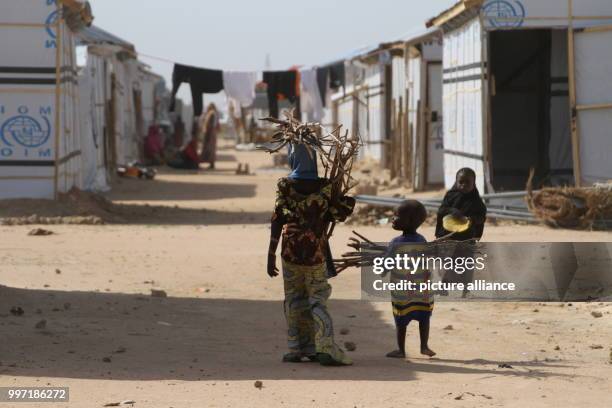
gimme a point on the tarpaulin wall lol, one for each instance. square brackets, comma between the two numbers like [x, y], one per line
[463, 88]
[39, 146]
[92, 86]
[425, 89]
[375, 137]
[147, 87]
[69, 159]
[126, 79]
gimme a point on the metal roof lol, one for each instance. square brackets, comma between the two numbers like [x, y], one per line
[420, 34]
[95, 35]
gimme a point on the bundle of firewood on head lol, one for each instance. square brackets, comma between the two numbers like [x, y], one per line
[336, 150]
[571, 207]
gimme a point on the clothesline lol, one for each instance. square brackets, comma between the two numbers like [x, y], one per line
[140, 54]
[309, 84]
[175, 62]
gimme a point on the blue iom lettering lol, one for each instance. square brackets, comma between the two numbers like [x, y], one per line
[50, 22]
[44, 153]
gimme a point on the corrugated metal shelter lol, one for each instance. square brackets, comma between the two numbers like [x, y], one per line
[417, 109]
[364, 105]
[39, 128]
[527, 85]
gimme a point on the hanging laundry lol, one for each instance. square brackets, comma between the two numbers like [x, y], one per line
[337, 77]
[202, 80]
[280, 82]
[240, 86]
[310, 97]
[323, 81]
[240, 90]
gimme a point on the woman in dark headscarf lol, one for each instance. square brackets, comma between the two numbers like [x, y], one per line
[463, 200]
[302, 212]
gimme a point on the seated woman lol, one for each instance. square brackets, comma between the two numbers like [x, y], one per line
[187, 158]
[153, 146]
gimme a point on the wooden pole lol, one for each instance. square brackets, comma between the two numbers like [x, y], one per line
[572, 95]
[58, 99]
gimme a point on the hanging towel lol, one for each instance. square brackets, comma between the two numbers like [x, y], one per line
[279, 82]
[240, 86]
[202, 80]
[310, 97]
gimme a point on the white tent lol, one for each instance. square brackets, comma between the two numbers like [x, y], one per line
[115, 94]
[39, 130]
[527, 85]
[93, 91]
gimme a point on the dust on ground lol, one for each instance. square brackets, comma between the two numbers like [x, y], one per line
[216, 340]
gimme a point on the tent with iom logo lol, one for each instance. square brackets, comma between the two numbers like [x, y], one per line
[39, 112]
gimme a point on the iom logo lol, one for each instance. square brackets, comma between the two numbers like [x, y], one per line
[504, 13]
[25, 130]
[50, 24]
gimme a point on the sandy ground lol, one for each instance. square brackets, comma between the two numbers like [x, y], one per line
[203, 239]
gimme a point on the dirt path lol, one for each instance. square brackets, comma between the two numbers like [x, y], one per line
[203, 240]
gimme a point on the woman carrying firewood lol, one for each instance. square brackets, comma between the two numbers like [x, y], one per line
[303, 211]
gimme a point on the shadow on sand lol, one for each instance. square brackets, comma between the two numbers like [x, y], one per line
[191, 339]
[162, 190]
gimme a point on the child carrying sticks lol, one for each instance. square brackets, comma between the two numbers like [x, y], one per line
[411, 305]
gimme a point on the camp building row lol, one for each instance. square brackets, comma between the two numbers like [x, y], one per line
[501, 86]
[65, 123]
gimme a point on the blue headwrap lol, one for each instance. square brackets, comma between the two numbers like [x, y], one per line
[303, 162]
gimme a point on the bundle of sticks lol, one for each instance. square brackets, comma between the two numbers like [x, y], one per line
[365, 251]
[336, 149]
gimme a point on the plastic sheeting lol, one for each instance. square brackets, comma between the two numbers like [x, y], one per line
[426, 94]
[37, 153]
[593, 85]
[463, 90]
[512, 14]
[374, 139]
[92, 101]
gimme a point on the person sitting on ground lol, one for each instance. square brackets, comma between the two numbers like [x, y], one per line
[188, 157]
[154, 147]
[303, 209]
[410, 304]
[462, 200]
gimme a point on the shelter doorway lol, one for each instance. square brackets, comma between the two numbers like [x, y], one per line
[530, 114]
